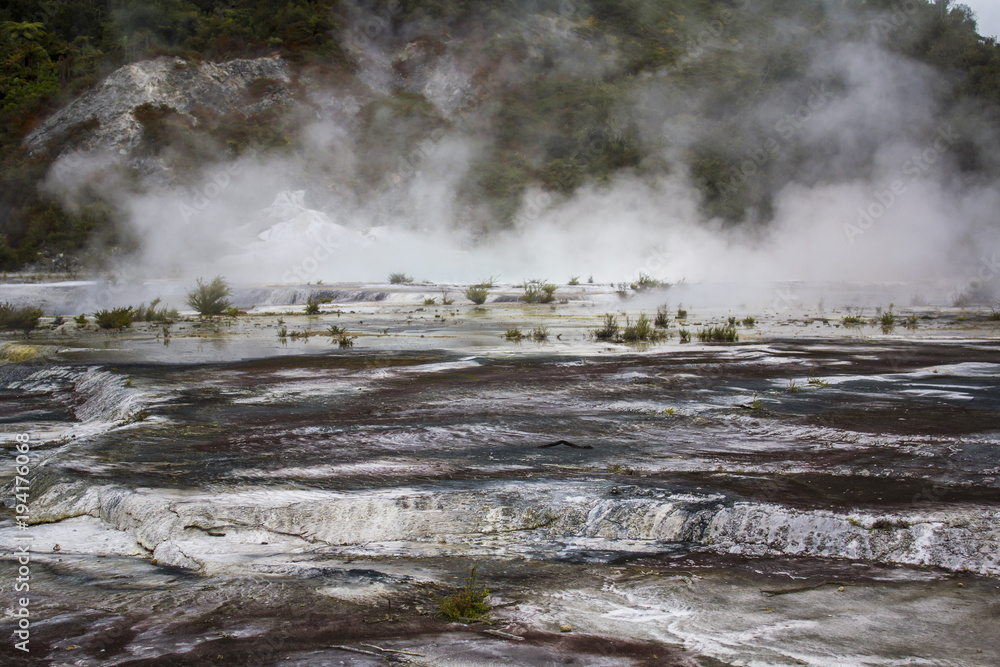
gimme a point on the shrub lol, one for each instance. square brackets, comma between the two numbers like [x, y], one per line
[662, 318]
[538, 291]
[312, 307]
[681, 313]
[119, 318]
[400, 278]
[476, 294]
[609, 331]
[647, 282]
[80, 319]
[283, 332]
[210, 298]
[514, 335]
[488, 282]
[726, 334]
[468, 604]
[143, 313]
[540, 333]
[24, 318]
[640, 330]
[343, 340]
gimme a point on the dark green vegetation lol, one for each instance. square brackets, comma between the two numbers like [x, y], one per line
[14, 318]
[719, 334]
[476, 295]
[210, 298]
[467, 604]
[641, 330]
[116, 318]
[400, 279]
[150, 313]
[549, 125]
[538, 291]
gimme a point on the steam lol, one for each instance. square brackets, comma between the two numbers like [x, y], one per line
[883, 195]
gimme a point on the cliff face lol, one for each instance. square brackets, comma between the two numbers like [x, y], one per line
[173, 82]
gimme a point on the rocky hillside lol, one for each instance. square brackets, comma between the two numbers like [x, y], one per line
[114, 107]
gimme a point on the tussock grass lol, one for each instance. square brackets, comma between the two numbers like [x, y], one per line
[609, 331]
[467, 604]
[719, 334]
[19, 318]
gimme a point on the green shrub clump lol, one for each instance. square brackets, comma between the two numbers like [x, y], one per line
[24, 318]
[717, 334]
[210, 298]
[476, 294]
[117, 318]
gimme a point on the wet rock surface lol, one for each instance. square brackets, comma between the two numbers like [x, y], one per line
[779, 501]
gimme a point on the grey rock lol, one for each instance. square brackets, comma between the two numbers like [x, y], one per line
[171, 81]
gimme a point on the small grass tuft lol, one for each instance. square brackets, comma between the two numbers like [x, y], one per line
[609, 331]
[312, 307]
[514, 335]
[749, 322]
[430, 301]
[467, 604]
[662, 317]
[540, 333]
[681, 313]
[574, 280]
[685, 336]
[888, 321]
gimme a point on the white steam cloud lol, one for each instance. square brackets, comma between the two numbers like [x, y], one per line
[297, 218]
